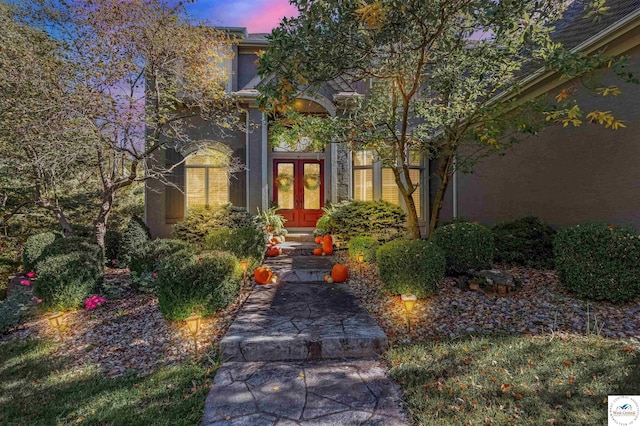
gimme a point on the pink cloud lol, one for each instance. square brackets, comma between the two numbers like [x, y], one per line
[258, 16]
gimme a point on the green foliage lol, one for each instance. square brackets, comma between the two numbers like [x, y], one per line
[146, 261]
[34, 247]
[323, 225]
[411, 266]
[527, 241]
[65, 280]
[199, 221]
[201, 284]
[242, 242]
[15, 308]
[378, 219]
[365, 245]
[272, 221]
[467, 246]
[72, 245]
[134, 238]
[599, 262]
[112, 243]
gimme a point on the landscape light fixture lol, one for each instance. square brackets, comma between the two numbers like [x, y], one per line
[244, 263]
[56, 321]
[360, 259]
[193, 324]
[409, 301]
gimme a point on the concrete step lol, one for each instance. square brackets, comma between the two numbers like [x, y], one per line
[304, 393]
[298, 320]
[300, 237]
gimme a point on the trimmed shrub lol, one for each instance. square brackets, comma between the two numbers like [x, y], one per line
[242, 242]
[15, 308]
[34, 246]
[365, 245]
[599, 262]
[527, 242]
[64, 281]
[72, 245]
[112, 242]
[133, 239]
[84, 231]
[199, 221]
[201, 284]
[323, 226]
[411, 266]
[466, 246]
[378, 219]
[146, 261]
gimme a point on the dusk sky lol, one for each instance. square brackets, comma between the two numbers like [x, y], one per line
[258, 16]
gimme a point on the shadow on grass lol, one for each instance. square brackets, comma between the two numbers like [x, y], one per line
[514, 379]
[37, 389]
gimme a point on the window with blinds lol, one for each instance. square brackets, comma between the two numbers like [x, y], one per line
[207, 179]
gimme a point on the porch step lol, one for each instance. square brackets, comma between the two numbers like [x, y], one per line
[302, 321]
[300, 237]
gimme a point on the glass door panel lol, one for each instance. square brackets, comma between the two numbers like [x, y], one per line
[312, 183]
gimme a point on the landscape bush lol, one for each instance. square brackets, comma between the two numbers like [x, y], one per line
[242, 242]
[380, 219]
[411, 266]
[72, 245]
[200, 284]
[65, 280]
[199, 221]
[15, 308]
[112, 242]
[527, 241]
[599, 262]
[365, 245]
[34, 246]
[145, 262]
[133, 239]
[466, 246]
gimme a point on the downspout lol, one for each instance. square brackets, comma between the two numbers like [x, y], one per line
[265, 185]
[455, 188]
[246, 160]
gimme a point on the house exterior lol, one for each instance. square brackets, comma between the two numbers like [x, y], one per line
[563, 175]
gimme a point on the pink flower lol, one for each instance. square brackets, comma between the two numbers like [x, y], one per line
[154, 275]
[25, 282]
[36, 299]
[113, 261]
[200, 259]
[159, 255]
[94, 301]
[31, 274]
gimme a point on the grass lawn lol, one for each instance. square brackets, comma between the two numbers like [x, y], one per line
[514, 380]
[37, 389]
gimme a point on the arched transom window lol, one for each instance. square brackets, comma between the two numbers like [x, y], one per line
[207, 178]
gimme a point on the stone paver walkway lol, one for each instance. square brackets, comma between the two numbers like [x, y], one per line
[303, 352]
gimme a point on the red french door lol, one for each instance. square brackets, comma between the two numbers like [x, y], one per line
[298, 189]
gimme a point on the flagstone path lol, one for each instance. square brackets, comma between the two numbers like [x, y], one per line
[303, 352]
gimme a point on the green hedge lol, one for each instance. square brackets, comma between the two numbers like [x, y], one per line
[201, 284]
[411, 266]
[599, 262]
[34, 246]
[466, 246]
[145, 262]
[15, 308]
[242, 242]
[365, 245]
[200, 221]
[72, 245]
[380, 219]
[133, 239]
[527, 241]
[64, 281]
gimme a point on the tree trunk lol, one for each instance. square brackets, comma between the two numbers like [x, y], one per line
[62, 219]
[438, 200]
[100, 224]
[413, 224]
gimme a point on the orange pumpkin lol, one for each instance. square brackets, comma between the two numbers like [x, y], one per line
[262, 274]
[339, 273]
[273, 251]
[327, 245]
[317, 252]
[318, 240]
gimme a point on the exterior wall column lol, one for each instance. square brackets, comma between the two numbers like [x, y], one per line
[257, 186]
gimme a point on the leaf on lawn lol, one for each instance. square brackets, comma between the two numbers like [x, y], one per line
[589, 391]
[627, 349]
[551, 421]
[276, 388]
[568, 394]
[567, 362]
[505, 387]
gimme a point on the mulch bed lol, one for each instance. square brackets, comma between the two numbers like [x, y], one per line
[128, 334]
[540, 306]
